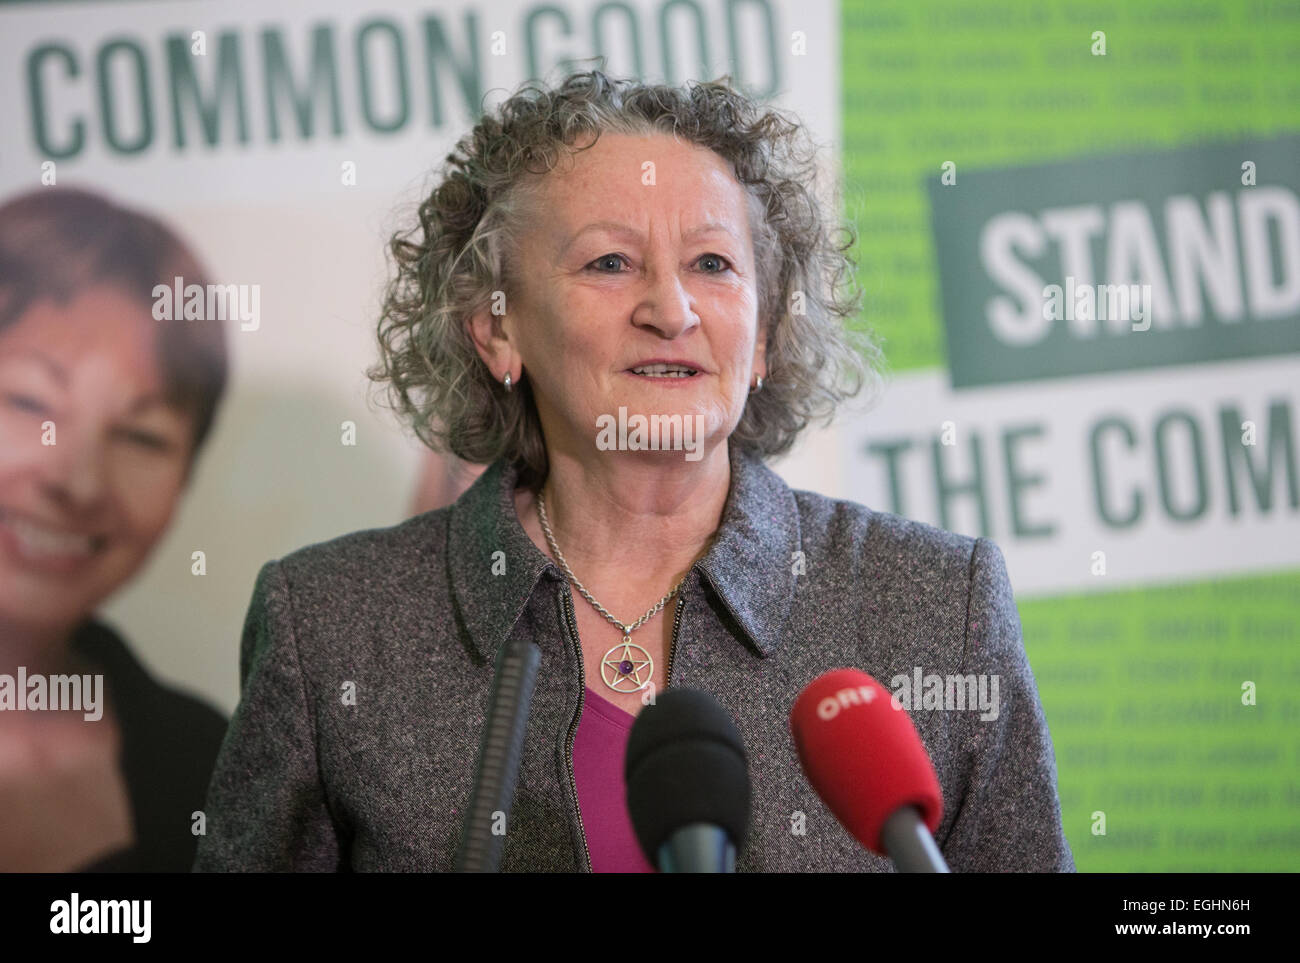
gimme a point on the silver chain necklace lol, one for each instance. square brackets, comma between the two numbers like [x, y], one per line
[620, 669]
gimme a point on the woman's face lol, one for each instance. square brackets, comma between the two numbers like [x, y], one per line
[620, 270]
[80, 515]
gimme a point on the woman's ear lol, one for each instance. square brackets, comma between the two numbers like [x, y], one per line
[492, 340]
[760, 350]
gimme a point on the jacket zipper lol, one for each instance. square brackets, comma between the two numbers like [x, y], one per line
[582, 698]
[573, 725]
[672, 647]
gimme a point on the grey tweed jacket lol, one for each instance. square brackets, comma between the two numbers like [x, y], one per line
[367, 661]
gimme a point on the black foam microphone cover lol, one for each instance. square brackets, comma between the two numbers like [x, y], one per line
[685, 764]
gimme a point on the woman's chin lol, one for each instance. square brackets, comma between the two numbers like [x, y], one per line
[665, 451]
[39, 603]
[51, 617]
[660, 430]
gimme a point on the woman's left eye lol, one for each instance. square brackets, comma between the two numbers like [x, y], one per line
[145, 439]
[723, 263]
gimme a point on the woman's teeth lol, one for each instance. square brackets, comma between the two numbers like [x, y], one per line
[664, 371]
[38, 541]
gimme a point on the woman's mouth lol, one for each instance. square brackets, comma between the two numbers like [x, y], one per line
[664, 371]
[46, 548]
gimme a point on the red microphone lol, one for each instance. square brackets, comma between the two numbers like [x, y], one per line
[865, 760]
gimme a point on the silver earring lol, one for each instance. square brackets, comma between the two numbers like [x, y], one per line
[759, 385]
[507, 382]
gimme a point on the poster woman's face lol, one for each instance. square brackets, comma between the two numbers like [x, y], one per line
[92, 457]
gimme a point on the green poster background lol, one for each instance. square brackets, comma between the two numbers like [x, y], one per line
[1143, 687]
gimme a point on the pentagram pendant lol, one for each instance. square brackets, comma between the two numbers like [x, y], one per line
[627, 667]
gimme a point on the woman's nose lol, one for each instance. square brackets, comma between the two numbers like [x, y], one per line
[667, 306]
[73, 469]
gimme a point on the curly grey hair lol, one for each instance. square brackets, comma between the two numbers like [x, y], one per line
[451, 262]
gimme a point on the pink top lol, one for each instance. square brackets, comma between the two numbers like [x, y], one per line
[598, 749]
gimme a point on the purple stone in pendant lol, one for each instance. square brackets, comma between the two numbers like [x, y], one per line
[625, 667]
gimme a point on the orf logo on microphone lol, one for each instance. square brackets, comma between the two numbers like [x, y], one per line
[830, 706]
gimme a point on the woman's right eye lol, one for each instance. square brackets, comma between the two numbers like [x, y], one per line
[617, 258]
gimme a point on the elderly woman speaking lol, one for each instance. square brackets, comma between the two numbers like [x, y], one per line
[623, 298]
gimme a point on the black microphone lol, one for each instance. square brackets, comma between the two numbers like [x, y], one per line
[687, 784]
[499, 755]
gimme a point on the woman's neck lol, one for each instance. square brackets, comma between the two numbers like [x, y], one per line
[621, 512]
[44, 651]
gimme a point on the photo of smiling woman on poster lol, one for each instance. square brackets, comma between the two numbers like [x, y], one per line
[103, 411]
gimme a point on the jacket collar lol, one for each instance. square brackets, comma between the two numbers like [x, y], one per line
[750, 564]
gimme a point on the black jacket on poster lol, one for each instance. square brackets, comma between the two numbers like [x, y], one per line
[169, 746]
